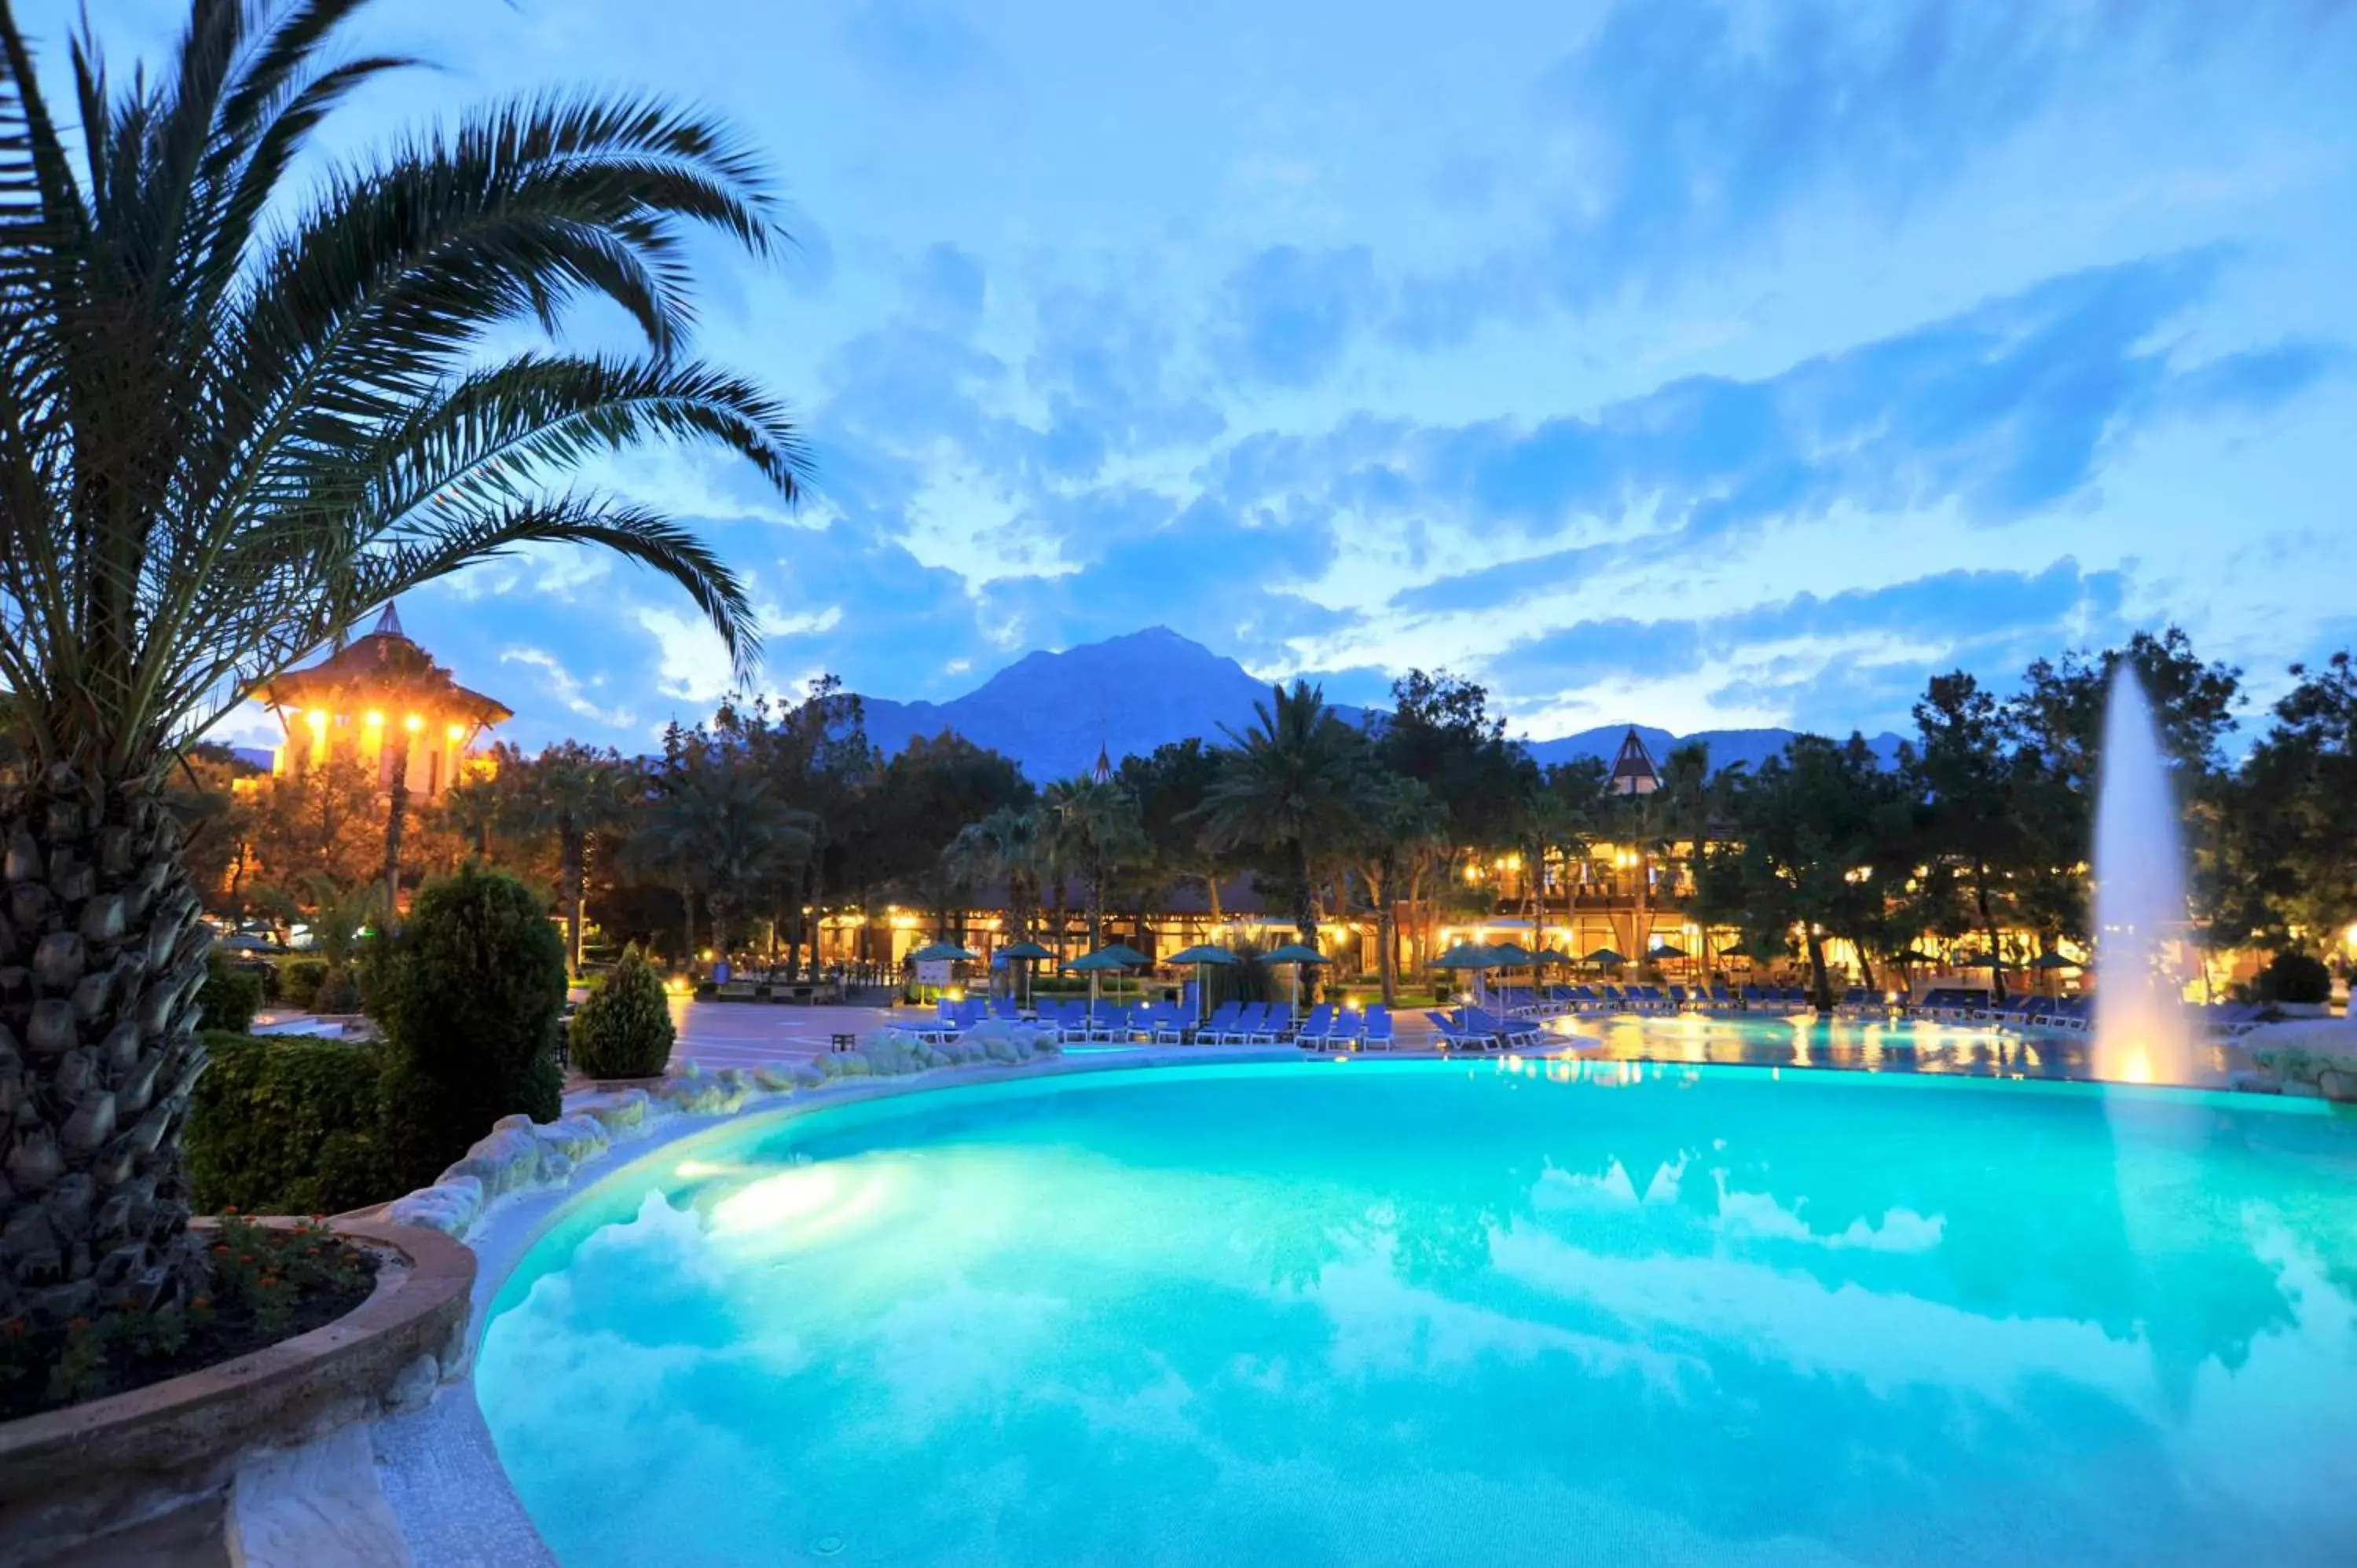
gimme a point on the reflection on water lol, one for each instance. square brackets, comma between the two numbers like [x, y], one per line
[1875, 1046]
[1533, 1312]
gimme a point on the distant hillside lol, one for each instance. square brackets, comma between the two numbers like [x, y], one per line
[1050, 712]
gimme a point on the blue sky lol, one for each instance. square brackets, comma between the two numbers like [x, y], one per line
[1697, 364]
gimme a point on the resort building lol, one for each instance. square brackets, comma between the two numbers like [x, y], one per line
[381, 699]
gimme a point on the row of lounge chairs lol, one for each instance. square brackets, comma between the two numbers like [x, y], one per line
[1552, 1001]
[1170, 1022]
[2070, 1014]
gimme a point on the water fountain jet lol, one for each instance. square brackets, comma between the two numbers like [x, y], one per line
[2141, 1031]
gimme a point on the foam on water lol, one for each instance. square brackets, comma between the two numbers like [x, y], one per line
[1428, 1314]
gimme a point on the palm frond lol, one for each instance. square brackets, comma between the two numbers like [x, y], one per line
[233, 420]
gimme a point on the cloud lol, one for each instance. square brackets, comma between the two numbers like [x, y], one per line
[1681, 138]
[2001, 617]
[566, 688]
[1286, 315]
[918, 47]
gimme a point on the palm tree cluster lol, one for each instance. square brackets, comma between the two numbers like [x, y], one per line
[1970, 835]
[248, 395]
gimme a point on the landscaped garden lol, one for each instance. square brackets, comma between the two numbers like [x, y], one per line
[356, 1195]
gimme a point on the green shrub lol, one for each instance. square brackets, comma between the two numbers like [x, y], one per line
[1246, 981]
[624, 1030]
[469, 991]
[288, 1126]
[299, 980]
[2294, 977]
[229, 997]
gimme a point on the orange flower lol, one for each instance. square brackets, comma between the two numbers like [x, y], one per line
[201, 1303]
[77, 1325]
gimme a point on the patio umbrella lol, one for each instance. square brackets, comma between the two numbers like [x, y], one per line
[943, 952]
[1605, 958]
[2053, 960]
[1025, 953]
[1100, 961]
[940, 952]
[1510, 955]
[1741, 950]
[1916, 955]
[1466, 955]
[1665, 949]
[1295, 954]
[1201, 955]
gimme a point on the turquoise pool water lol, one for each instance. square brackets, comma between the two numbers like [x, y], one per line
[1441, 1313]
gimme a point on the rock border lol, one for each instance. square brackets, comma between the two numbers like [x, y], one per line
[67, 1475]
[519, 1156]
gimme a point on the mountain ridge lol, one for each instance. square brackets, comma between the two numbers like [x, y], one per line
[1050, 710]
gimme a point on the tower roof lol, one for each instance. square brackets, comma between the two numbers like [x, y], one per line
[1103, 771]
[386, 661]
[1633, 773]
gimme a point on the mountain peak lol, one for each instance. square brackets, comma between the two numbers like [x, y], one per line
[1053, 710]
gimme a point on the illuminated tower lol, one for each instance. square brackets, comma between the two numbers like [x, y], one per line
[376, 699]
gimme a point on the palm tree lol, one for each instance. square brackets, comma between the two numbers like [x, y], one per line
[574, 792]
[1290, 785]
[1403, 826]
[1096, 825]
[1692, 797]
[718, 815]
[240, 408]
[1003, 846]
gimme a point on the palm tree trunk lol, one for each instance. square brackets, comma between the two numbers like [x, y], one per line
[1641, 931]
[396, 815]
[98, 933]
[687, 911]
[1211, 896]
[1821, 988]
[1988, 927]
[1386, 940]
[573, 854]
[1305, 897]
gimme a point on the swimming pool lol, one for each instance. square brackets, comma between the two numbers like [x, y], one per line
[1447, 1313]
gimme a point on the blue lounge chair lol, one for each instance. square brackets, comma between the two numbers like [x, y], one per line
[1457, 1035]
[1347, 1032]
[1506, 1031]
[1245, 1024]
[1310, 1033]
[1275, 1026]
[1375, 1028]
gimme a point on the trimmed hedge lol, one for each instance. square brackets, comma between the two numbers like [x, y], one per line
[229, 996]
[299, 980]
[624, 1030]
[470, 992]
[288, 1126]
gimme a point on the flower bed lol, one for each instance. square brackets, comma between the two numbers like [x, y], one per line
[69, 1473]
[268, 1283]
